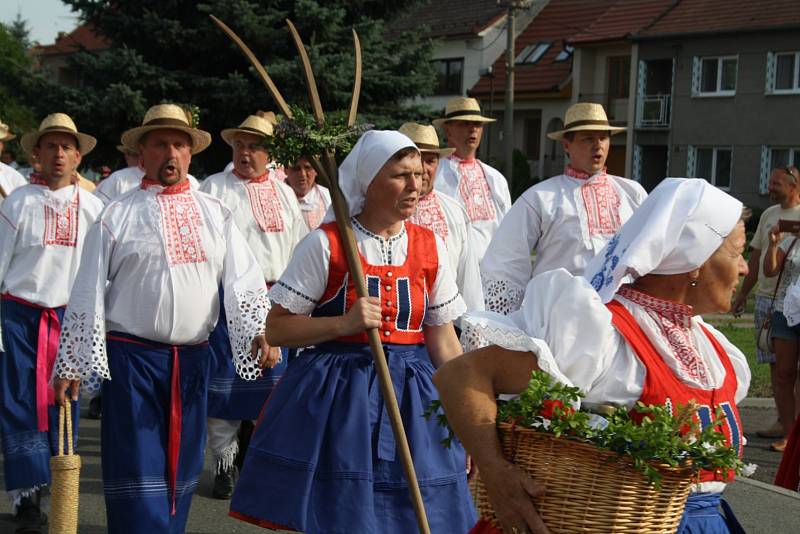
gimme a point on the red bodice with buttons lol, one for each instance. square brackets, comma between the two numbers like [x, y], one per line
[402, 289]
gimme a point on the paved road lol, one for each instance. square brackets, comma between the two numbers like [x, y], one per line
[761, 508]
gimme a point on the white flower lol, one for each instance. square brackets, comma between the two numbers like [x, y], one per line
[749, 469]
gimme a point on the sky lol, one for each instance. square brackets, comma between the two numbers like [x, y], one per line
[45, 17]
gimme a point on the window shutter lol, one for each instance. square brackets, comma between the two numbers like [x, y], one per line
[637, 163]
[763, 178]
[641, 81]
[769, 83]
[696, 68]
[691, 157]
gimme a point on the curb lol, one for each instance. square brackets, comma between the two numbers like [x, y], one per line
[769, 487]
[757, 402]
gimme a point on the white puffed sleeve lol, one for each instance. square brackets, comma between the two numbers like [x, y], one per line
[82, 346]
[738, 361]
[246, 303]
[445, 304]
[566, 326]
[8, 239]
[303, 282]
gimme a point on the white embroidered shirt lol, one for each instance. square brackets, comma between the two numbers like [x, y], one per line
[42, 234]
[10, 179]
[303, 282]
[267, 214]
[565, 220]
[121, 181]
[314, 205]
[153, 263]
[448, 220]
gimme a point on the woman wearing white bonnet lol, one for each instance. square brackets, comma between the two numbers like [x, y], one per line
[323, 458]
[628, 330]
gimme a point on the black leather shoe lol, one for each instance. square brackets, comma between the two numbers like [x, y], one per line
[30, 519]
[224, 482]
[95, 408]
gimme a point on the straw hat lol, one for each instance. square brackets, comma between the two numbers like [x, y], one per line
[57, 122]
[462, 109]
[166, 116]
[425, 138]
[258, 124]
[585, 116]
[127, 151]
[5, 132]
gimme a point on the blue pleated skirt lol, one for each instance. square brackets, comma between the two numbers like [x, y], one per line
[229, 396]
[707, 513]
[322, 459]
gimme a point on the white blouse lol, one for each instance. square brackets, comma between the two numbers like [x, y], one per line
[304, 281]
[123, 180]
[314, 205]
[565, 221]
[448, 220]
[266, 213]
[42, 234]
[151, 268]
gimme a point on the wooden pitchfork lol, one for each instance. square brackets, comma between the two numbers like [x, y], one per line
[325, 165]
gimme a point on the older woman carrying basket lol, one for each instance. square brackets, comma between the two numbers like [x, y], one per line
[322, 458]
[629, 331]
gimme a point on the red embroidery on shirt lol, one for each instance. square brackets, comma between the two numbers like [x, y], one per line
[266, 205]
[675, 321]
[181, 225]
[314, 216]
[174, 189]
[474, 190]
[430, 215]
[579, 174]
[61, 227]
[601, 201]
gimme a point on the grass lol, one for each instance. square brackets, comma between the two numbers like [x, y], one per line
[744, 339]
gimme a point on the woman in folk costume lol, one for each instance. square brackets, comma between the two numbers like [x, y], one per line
[322, 458]
[138, 320]
[628, 330]
[43, 226]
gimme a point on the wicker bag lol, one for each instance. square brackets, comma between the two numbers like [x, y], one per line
[588, 489]
[65, 472]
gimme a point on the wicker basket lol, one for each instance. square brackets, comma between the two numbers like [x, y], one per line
[65, 472]
[585, 491]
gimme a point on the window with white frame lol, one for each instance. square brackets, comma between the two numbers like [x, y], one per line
[775, 157]
[714, 76]
[783, 72]
[715, 164]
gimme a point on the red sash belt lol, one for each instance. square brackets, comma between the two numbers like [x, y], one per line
[175, 413]
[46, 350]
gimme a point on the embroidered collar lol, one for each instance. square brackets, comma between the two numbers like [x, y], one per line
[258, 179]
[680, 314]
[463, 161]
[174, 189]
[582, 175]
[37, 179]
[386, 243]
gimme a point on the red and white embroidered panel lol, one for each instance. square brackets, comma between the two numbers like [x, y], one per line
[675, 321]
[182, 226]
[61, 226]
[430, 215]
[474, 190]
[601, 201]
[266, 205]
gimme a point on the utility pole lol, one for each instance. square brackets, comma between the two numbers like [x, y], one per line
[508, 118]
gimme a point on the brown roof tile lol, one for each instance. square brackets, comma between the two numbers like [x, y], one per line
[451, 18]
[556, 23]
[622, 19]
[81, 38]
[703, 16]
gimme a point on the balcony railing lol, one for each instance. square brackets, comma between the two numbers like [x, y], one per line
[653, 111]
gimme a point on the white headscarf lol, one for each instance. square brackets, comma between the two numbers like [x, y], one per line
[675, 230]
[359, 168]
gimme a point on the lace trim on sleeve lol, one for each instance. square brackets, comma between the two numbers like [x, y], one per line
[445, 312]
[501, 296]
[247, 314]
[82, 350]
[291, 299]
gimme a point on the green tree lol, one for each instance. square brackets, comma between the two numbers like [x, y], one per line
[14, 66]
[171, 51]
[20, 30]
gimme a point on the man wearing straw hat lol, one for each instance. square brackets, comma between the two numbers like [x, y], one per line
[42, 230]
[444, 216]
[565, 220]
[10, 179]
[478, 187]
[138, 321]
[267, 214]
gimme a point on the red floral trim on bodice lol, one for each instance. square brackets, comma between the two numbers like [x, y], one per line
[265, 204]
[181, 225]
[61, 226]
[601, 201]
[430, 215]
[675, 322]
[474, 190]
